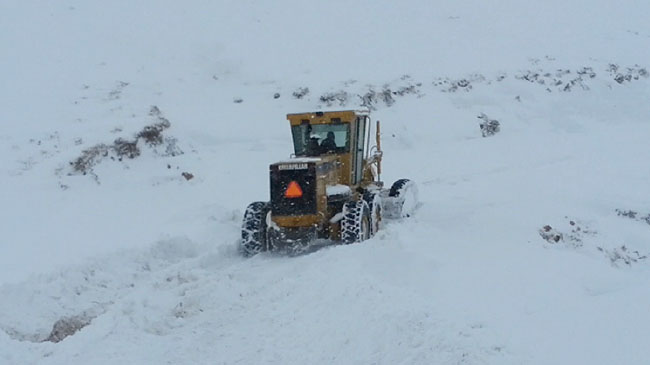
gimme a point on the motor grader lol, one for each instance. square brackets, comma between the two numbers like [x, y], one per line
[330, 189]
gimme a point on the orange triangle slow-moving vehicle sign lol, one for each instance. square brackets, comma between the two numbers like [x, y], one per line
[293, 190]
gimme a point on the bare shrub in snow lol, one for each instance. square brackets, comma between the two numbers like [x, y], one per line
[406, 90]
[627, 74]
[489, 127]
[124, 148]
[116, 93]
[633, 215]
[373, 98]
[448, 85]
[531, 76]
[622, 254]
[561, 79]
[340, 97]
[171, 149]
[587, 72]
[301, 92]
[152, 134]
[386, 96]
[577, 233]
[154, 111]
[368, 100]
[89, 158]
[571, 83]
[626, 213]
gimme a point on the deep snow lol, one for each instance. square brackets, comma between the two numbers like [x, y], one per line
[150, 257]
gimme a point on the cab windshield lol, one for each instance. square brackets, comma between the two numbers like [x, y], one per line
[319, 139]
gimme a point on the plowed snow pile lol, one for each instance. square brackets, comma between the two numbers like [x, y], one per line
[133, 135]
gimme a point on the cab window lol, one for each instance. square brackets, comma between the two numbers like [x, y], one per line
[319, 139]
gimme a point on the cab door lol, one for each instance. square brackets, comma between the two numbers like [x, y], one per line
[359, 147]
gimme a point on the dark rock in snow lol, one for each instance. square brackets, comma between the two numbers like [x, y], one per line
[550, 235]
[489, 127]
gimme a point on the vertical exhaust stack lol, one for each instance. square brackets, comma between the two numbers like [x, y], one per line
[379, 150]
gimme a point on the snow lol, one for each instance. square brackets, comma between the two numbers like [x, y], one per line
[337, 189]
[301, 160]
[151, 257]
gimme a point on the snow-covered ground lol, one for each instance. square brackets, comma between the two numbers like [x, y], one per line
[529, 246]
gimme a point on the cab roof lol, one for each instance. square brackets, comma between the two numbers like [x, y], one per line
[326, 117]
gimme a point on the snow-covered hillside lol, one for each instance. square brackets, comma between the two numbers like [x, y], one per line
[134, 134]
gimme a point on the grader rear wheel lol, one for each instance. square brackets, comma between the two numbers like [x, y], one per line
[254, 229]
[356, 222]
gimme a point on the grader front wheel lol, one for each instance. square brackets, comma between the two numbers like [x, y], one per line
[404, 194]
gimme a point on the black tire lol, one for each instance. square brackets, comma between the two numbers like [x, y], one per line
[356, 222]
[406, 193]
[254, 229]
[373, 199]
[397, 187]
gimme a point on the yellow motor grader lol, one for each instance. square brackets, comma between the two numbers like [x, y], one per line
[330, 189]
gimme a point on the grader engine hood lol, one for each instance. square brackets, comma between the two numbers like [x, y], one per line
[293, 188]
[298, 190]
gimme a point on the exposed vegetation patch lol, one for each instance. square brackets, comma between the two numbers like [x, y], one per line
[116, 92]
[372, 98]
[626, 74]
[408, 90]
[631, 214]
[454, 85]
[579, 235]
[151, 135]
[560, 79]
[67, 326]
[622, 255]
[301, 92]
[89, 158]
[61, 329]
[574, 235]
[340, 98]
[124, 148]
[566, 80]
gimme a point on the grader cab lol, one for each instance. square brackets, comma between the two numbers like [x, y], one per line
[330, 189]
